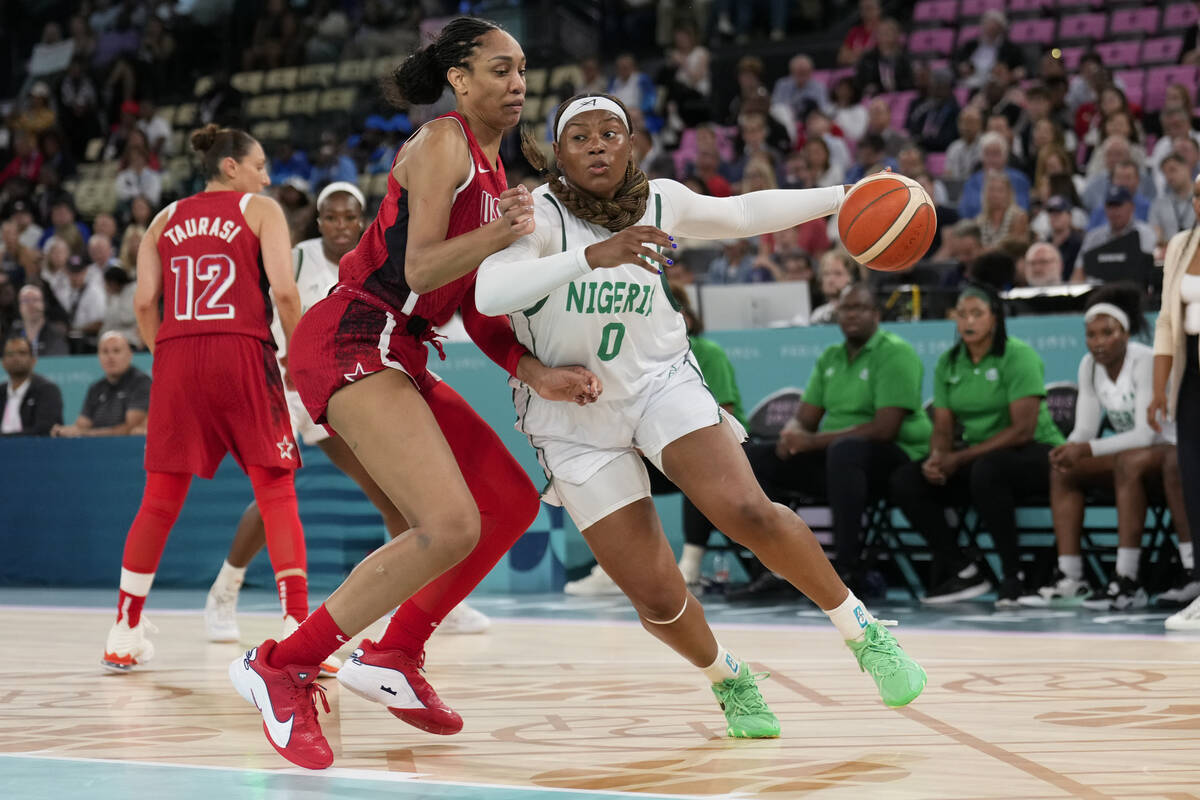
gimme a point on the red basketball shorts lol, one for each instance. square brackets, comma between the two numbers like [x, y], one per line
[213, 395]
[342, 339]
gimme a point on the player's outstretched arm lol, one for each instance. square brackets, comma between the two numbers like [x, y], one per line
[753, 214]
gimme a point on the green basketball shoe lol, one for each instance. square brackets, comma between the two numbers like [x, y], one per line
[899, 678]
[744, 707]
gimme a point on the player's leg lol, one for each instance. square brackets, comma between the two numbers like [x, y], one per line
[614, 511]
[220, 607]
[1131, 470]
[1068, 493]
[162, 500]
[710, 467]
[1188, 588]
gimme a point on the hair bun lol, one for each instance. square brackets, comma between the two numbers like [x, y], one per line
[203, 138]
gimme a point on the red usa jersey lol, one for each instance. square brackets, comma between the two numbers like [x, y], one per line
[213, 280]
[376, 265]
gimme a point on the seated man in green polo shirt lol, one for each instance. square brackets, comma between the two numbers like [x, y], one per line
[861, 419]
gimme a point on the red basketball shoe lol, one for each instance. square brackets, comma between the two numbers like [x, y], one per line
[287, 699]
[393, 679]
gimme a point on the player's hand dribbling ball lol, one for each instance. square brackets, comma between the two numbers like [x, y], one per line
[887, 222]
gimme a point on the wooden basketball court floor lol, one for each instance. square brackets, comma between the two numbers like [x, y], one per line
[568, 698]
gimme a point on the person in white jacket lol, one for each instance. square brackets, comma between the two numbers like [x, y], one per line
[587, 287]
[1115, 387]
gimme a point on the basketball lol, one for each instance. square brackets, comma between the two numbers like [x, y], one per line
[887, 222]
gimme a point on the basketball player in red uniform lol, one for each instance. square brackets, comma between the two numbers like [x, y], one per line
[359, 362]
[211, 258]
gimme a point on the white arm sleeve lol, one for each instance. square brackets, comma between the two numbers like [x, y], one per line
[1141, 435]
[530, 268]
[1087, 407]
[700, 217]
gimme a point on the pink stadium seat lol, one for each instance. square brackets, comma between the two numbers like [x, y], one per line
[936, 11]
[1159, 78]
[839, 73]
[1136, 96]
[1134, 20]
[967, 33]
[1131, 79]
[822, 76]
[1180, 15]
[1163, 50]
[939, 41]
[939, 63]
[973, 9]
[1030, 31]
[1077, 3]
[936, 163]
[1082, 26]
[1120, 54]
[1020, 6]
[899, 103]
[1071, 57]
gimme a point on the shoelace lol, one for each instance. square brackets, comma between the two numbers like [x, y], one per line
[743, 698]
[880, 650]
[312, 691]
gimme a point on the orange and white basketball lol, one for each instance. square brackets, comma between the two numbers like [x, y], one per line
[887, 222]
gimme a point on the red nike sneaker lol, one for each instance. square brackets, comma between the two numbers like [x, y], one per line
[393, 679]
[287, 699]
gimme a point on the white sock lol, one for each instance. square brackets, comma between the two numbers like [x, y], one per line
[136, 583]
[1185, 556]
[229, 579]
[690, 560]
[1071, 566]
[851, 618]
[725, 666]
[1127, 561]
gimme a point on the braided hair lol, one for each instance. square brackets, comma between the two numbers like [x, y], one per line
[421, 78]
[623, 210]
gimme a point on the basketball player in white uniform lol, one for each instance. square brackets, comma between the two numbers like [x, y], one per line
[340, 221]
[586, 287]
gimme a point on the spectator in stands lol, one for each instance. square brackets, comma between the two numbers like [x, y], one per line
[838, 272]
[48, 338]
[331, 165]
[115, 405]
[117, 141]
[795, 173]
[822, 171]
[155, 127]
[964, 152]
[141, 213]
[799, 91]
[911, 162]
[100, 251]
[78, 102]
[1124, 175]
[933, 121]
[1172, 210]
[1176, 124]
[55, 156]
[298, 206]
[1115, 385]
[38, 115]
[119, 315]
[29, 233]
[105, 224]
[964, 246]
[1090, 118]
[10, 313]
[289, 161]
[993, 152]
[1000, 216]
[886, 67]
[1043, 265]
[870, 157]
[1189, 150]
[688, 81]
[707, 170]
[736, 264]
[1062, 233]
[274, 40]
[1119, 125]
[16, 260]
[749, 73]
[1085, 86]
[946, 214]
[1118, 213]
[818, 124]
[992, 384]
[138, 179]
[849, 113]
[330, 31]
[753, 142]
[26, 162]
[130, 243]
[32, 405]
[860, 420]
[632, 87]
[1116, 151]
[53, 274]
[974, 59]
[861, 37]
[85, 305]
[65, 226]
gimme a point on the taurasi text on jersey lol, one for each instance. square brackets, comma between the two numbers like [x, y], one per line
[608, 297]
[202, 226]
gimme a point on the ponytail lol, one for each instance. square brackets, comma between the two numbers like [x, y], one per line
[215, 144]
[421, 78]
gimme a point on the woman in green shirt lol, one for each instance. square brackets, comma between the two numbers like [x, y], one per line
[993, 386]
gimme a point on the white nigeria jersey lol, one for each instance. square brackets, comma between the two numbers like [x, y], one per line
[621, 323]
[315, 275]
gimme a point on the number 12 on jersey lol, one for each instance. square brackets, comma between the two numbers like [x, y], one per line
[215, 273]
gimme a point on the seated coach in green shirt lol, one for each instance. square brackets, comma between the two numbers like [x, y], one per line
[860, 420]
[993, 385]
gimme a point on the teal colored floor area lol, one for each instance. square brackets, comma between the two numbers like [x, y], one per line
[973, 616]
[25, 777]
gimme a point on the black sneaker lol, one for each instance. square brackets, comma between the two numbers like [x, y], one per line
[1009, 594]
[764, 588]
[1124, 594]
[969, 583]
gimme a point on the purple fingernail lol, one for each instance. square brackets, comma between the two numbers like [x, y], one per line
[660, 272]
[669, 263]
[672, 238]
[674, 247]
